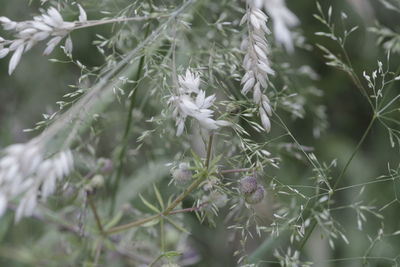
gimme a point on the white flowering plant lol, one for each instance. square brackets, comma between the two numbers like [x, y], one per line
[195, 132]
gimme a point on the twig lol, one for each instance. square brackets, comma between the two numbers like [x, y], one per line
[189, 209]
[236, 170]
[95, 213]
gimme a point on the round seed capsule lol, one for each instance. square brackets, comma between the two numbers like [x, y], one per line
[248, 185]
[256, 197]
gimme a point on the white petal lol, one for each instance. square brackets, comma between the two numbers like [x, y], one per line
[265, 120]
[82, 14]
[55, 16]
[4, 52]
[248, 85]
[15, 59]
[3, 204]
[68, 46]
[52, 44]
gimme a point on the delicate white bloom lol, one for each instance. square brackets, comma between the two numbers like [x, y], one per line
[256, 62]
[26, 174]
[68, 46]
[283, 19]
[265, 120]
[191, 101]
[4, 52]
[28, 33]
[16, 57]
[189, 83]
[82, 14]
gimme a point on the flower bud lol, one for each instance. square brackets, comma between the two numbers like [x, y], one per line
[248, 185]
[182, 175]
[255, 197]
[97, 181]
[105, 165]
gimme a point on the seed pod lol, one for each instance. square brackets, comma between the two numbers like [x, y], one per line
[248, 185]
[255, 197]
[97, 181]
[182, 175]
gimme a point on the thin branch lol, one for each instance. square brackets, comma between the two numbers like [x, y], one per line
[96, 215]
[236, 170]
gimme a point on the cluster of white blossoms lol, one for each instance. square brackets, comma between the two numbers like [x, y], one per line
[191, 101]
[26, 175]
[283, 19]
[256, 62]
[49, 25]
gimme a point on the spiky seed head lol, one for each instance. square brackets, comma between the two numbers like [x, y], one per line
[182, 175]
[248, 185]
[255, 197]
[218, 199]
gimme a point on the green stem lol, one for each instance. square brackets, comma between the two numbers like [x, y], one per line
[354, 153]
[308, 234]
[162, 235]
[156, 260]
[96, 215]
[314, 222]
[236, 170]
[209, 150]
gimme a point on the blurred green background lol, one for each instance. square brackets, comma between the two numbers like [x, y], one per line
[38, 83]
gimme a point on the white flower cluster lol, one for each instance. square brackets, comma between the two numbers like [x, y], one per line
[256, 62]
[191, 101]
[283, 19]
[28, 33]
[25, 173]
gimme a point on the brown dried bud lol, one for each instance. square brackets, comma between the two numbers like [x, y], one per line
[255, 197]
[248, 185]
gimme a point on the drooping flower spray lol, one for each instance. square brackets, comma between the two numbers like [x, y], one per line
[256, 62]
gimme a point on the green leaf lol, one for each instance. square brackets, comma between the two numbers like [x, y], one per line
[170, 254]
[149, 205]
[114, 221]
[159, 197]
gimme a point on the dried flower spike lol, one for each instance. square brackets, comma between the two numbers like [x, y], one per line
[283, 19]
[25, 173]
[28, 33]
